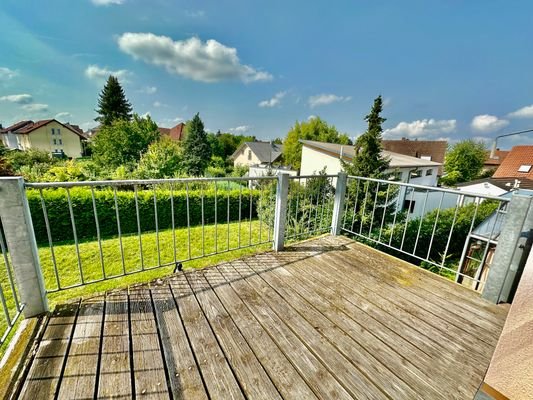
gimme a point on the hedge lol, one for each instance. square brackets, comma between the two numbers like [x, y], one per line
[60, 224]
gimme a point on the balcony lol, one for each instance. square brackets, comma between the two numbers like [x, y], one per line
[327, 318]
[326, 314]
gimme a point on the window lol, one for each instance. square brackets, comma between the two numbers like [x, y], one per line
[524, 168]
[416, 174]
[409, 205]
[249, 154]
[429, 172]
[58, 131]
[55, 141]
[60, 141]
[53, 131]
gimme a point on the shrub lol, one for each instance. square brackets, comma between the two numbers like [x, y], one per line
[60, 223]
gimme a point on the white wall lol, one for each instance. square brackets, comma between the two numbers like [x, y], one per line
[262, 171]
[242, 157]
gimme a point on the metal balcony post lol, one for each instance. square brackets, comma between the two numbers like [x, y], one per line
[338, 206]
[280, 211]
[510, 251]
[22, 246]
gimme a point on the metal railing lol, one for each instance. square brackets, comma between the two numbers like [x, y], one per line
[9, 297]
[130, 226]
[429, 226]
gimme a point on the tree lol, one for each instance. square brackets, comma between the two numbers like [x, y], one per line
[196, 149]
[162, 160]
[464, 162]
[124, 141]
[314, 129]
[112, 103]
[368, 160]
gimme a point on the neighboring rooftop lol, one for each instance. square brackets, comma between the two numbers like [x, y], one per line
[494, 162]
[176, 133]
[347, 152]
[503, 183]
[266, 152]
[518, 164]
[432, 150]
[26, 127]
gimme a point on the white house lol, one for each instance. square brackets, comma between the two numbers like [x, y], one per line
[257, 153]
[318, 155]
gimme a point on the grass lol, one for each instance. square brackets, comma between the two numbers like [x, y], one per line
[229, 244]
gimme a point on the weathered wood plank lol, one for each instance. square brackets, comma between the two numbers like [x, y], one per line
[79, 377]
[253, 379]
[185, 379]
[45, 372]
[217, 374]
[353, 380]
[115, 379]
[148, 367]
[287, 380]
[317, 312]
[319, 379]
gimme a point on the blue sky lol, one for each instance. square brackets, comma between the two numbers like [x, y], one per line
[446, 69]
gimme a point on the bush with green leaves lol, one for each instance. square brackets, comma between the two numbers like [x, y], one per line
[60, 224]
[163, 159]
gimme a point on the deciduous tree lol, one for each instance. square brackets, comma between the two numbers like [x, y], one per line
[464, 162]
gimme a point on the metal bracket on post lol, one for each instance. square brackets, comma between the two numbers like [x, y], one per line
[22, 246]
[338, 206]
[509, 251]
[280, 212]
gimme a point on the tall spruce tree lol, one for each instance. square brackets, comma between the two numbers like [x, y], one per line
[196, 149]
[368, 160]
[112, 103]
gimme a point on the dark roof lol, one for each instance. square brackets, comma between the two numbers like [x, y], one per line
[264, 151]
[176, 133]
[502, 183]
[499, 156]
[517, 157]
[347, 152]
[26, 127]
[436, 149]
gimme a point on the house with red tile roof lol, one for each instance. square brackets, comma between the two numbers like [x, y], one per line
[176, 133]
[48, 135]
[518, 166]
[492, 163]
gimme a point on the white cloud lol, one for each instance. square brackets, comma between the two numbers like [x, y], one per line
[487, 123]
[422, 128]
[36, 107]
[309, 118]
[240, 129]
[146, 114]
[324, 99]
[170, 121]
[6, 73]
[191, 58]
[107, 2]
[102, 73]
[148, 90]
[158, 104]
[63, 115]
[274, 101]
[18, 98]
[524, 112]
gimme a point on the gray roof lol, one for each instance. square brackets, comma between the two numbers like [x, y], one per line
[265, 151]
[396, 160]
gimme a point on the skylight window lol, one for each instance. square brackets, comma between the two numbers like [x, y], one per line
[524, 168]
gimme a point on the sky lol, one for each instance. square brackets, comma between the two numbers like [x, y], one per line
[449, 69]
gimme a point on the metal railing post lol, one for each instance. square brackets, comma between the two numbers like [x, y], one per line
[22, 246]
[338, 206]
[509, 253]
[280, 211]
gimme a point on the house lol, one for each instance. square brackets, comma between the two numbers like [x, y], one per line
[430, 150]
[48, 135]
[177, 133]
[492, 163]
[517, 165]
[317, 156]
[257, 153]
[496, 186]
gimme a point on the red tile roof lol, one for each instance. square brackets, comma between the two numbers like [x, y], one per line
[518, 156]
[176, 133]
[27, 127]
[499, 156]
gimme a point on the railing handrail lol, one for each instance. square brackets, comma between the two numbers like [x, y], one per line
[433, 188]
[124, 182]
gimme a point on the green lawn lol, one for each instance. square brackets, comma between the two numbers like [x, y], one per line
[202, 241]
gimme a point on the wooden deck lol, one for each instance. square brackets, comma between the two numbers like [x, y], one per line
[328, 319]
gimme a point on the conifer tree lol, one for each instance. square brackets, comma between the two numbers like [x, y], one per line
[196, 149]
[112, 103]
[368, 160]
